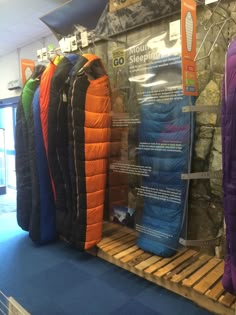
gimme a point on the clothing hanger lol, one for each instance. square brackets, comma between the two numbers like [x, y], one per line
[225, 19]
[221, 26]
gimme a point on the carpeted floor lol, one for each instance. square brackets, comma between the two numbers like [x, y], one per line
[8, 202]
[58, 280]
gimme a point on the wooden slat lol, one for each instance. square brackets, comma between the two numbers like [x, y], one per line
[107, 227]
[148, 262]
[162, 263]
[122, 247]
[126, 252]
[191, 269]
[110, 238]
[182, 266]
[227, 299]
[15, 308]
[161, 272]
[179, 274]
[210, 278]
[130, 257]
[139, 259]
[201, 272]
[216, 291]
[124, 239]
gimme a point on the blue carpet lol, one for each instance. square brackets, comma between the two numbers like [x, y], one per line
[59, 280]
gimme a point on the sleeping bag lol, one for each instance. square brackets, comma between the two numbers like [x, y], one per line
[45, 96]
[45, 85]
[165, 147]
[228, 122]
[42, 228]
[57, 139]
[90, 119]
[23, 172]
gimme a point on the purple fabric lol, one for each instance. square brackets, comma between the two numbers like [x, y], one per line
[229, 166]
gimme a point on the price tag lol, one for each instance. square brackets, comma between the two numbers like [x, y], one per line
[174, 30]
[84, 39]
[39, 55]
[210, 1]
[67, 44]
[62, 44]
[74, 45]
[44, 54]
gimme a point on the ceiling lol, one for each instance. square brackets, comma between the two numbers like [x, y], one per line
[20, 24]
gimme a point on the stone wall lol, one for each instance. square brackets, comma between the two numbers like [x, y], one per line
[206, 218]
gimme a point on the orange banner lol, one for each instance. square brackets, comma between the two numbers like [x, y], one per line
[188, 31]
[27, 68]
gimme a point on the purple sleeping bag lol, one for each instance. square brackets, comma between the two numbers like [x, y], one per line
[229, 165]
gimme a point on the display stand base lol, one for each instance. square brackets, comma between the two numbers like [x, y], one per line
[191, 274]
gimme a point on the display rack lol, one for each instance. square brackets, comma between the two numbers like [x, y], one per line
[9, 306]
[191, 274]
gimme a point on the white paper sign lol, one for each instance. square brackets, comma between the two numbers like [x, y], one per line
[39, 55]
[174, 30]
[62, 44]
[44, 54]
[84, 39]
[67, 46]
[74, 45]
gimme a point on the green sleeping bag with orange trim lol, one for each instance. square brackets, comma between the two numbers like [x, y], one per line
[89, 113]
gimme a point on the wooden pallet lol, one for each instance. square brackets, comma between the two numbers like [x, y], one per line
[189, 273]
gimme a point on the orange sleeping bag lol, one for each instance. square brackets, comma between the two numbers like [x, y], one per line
[90, 142]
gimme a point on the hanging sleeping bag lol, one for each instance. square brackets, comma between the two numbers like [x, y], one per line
[228, 121]
[45, 85]
[57, 139]
[90, 118]
[22, 161]
[42, 221]
[45, 96]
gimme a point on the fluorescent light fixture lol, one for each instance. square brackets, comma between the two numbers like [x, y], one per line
[156, 83]
[141, 78]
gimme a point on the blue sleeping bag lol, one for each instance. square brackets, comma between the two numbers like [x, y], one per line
[165, 140]
[42, 223]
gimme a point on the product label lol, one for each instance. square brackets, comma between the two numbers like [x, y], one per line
[74, 44]
[84, 39]
[188, 30]
[39, 55]
[174, 30]
[44, 54]
[118, 58]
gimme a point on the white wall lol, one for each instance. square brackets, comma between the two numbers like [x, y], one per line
[10, 64]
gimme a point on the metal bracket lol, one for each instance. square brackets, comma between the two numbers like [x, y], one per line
[213, 242]
[201, 108]
[202, 175]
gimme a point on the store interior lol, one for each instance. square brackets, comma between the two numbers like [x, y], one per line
[117, 186]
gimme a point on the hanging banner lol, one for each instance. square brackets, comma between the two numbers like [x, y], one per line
[188, 31]
[27, 68]
[116, 5]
